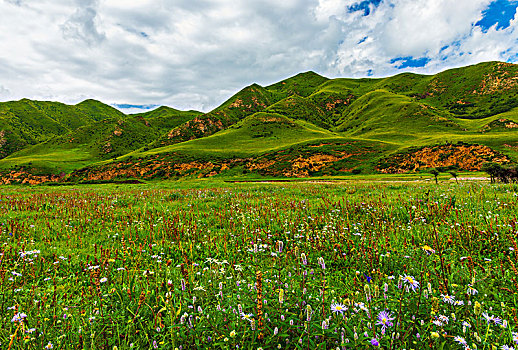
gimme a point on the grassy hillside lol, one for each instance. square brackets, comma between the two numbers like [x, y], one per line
[111, 134]
[258, 133]
[25, 122]
[406, 122]
[166, 118]
[381, 113]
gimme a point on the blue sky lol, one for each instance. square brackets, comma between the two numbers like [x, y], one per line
[194, 54]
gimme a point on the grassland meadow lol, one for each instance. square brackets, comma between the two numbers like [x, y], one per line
[259, 266]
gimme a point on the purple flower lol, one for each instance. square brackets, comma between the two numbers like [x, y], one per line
[19, 317]
[384, 320]
[155, 345]
[496, 320]
[461, 341]
[280, 245]
[411, 281]
[375, 342]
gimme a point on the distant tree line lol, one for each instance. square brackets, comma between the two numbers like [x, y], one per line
[502, 173]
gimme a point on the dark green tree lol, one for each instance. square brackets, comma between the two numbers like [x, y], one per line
[435, 173]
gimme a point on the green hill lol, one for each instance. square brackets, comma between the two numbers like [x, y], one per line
[25, 122]
[253, 135]
[108, 135]
[166, 118]
[301, 126]
[383, 114]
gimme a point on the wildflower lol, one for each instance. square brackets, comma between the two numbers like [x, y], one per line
[444, 319]
[375, 342]
[281, 296]
[367, 290]
[325, 324]
[280, 246]
[155, 345]
[49, 346]
[496, 320]
[449, 299]
[410, 281]
[103, 280]
[428, 250]
[338, 308]
[505, 347]
[19, 317]
[435, 335]
[384, 320]
[247, 317]
[437, 323]
[471, 290]
[309, 312]
[460, 340]
[233, 333]
[322, 263]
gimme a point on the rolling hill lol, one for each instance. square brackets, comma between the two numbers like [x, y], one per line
[301, 126]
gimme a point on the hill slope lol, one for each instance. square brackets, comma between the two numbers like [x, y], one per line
[408, 122]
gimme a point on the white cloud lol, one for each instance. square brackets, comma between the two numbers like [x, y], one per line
[4, 93]
[196, 53]
[82, 25]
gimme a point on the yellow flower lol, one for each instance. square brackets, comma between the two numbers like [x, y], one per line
[478, 308]
[435, 335]
[233, 334]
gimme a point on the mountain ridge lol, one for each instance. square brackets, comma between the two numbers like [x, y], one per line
[474, 105]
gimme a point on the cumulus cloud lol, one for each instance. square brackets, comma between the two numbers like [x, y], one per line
[82, 24]
[196, 53]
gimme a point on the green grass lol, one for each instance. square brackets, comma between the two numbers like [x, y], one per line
[65, 160]
[254, 135]
[171, 264]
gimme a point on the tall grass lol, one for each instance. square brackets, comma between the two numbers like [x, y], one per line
[259, 266]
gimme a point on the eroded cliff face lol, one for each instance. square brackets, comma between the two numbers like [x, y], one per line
[303, 162]
[462, 156]
[501, 124]
[26, 177]
[501, 79]
[332, 158]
